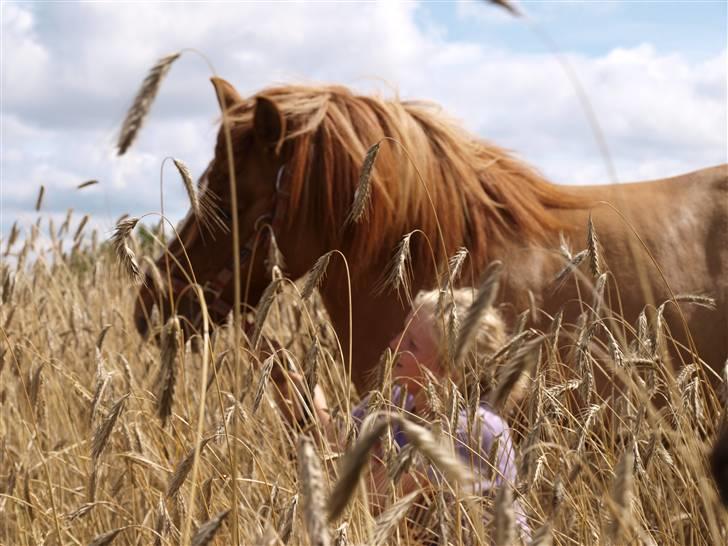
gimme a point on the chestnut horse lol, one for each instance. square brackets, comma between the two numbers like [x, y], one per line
[298, 154]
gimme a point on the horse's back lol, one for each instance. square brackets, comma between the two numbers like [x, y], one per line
[669, 237]
[687, 230]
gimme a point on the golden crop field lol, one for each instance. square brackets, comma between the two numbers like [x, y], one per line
[175, 437]
[86, 458]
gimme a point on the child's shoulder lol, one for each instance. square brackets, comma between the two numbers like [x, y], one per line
[486, 419]
[492, 419]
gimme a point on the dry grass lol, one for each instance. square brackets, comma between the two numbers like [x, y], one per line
[84, 452]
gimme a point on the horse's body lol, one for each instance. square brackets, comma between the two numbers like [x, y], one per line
[683, 223]
[485, 200]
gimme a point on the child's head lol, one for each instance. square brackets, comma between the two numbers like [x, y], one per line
[424, 341]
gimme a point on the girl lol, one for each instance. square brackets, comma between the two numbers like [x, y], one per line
[481, 437]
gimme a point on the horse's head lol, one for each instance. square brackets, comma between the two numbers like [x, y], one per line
[250, 150]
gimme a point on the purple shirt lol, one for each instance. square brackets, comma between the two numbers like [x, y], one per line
[474, 445]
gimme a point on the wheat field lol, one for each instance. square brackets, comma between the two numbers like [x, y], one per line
[99, 428]
[110, 438]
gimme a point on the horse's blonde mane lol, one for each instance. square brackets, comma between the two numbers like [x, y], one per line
[480, 192]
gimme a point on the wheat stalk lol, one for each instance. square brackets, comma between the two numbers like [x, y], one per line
[268, 537]
[621, 496]
[310, 478]
[388, 520]
[9, 486]
[12, 238]
[353, 465]
[456, 263]
[364, 189]
[511, 374]
[207, 531]
[184, 467]
[591, 414]
[81, 225]
[125, 255]
[286, 528]
[570, 266]
[66, 223]
[263, 381]
[143, 102]
[35, 392]
[592, 248]
[102, 381]
[401, 463]
[558, 493]
[316, 275]
[81, 511]
[8, 287]
[163, 524]
[697, 299]
[266, 300]
[310, 365]
[39, 200]
[102, 336]
[86, 184]
[398, 272]
[508, 6]
[29, 505]
[103, 431]
[107, 538]
[486, 296]
[599, 294]
[190, 187]
[342, 538]
[167, 378]
[505, 520]
[275, 256]
[92, 482]
[543, 536]
[442, 457]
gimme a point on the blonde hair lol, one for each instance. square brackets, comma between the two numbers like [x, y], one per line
[441, 309]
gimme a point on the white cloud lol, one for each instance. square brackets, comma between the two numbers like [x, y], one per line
[69, 72]
[24, 60]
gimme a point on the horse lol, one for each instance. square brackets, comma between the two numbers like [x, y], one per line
[719, 464]
[296, 157]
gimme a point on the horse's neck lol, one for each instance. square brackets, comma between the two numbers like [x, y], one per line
[375, 319]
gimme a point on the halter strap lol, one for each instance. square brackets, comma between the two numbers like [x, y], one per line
[216, 305]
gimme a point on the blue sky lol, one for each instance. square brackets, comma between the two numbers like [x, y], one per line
[691, 27]
[655, 73]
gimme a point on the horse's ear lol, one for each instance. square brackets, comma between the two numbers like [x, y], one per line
[227, 95]
[268, 123]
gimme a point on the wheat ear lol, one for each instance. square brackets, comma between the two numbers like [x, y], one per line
[484, 299]
[353, 465]
[207, 531]
[364, 188]
[311, 482]
[124, 254]
[143, 102]
[167, 378]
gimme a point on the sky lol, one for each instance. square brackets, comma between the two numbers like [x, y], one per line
[654, 72]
